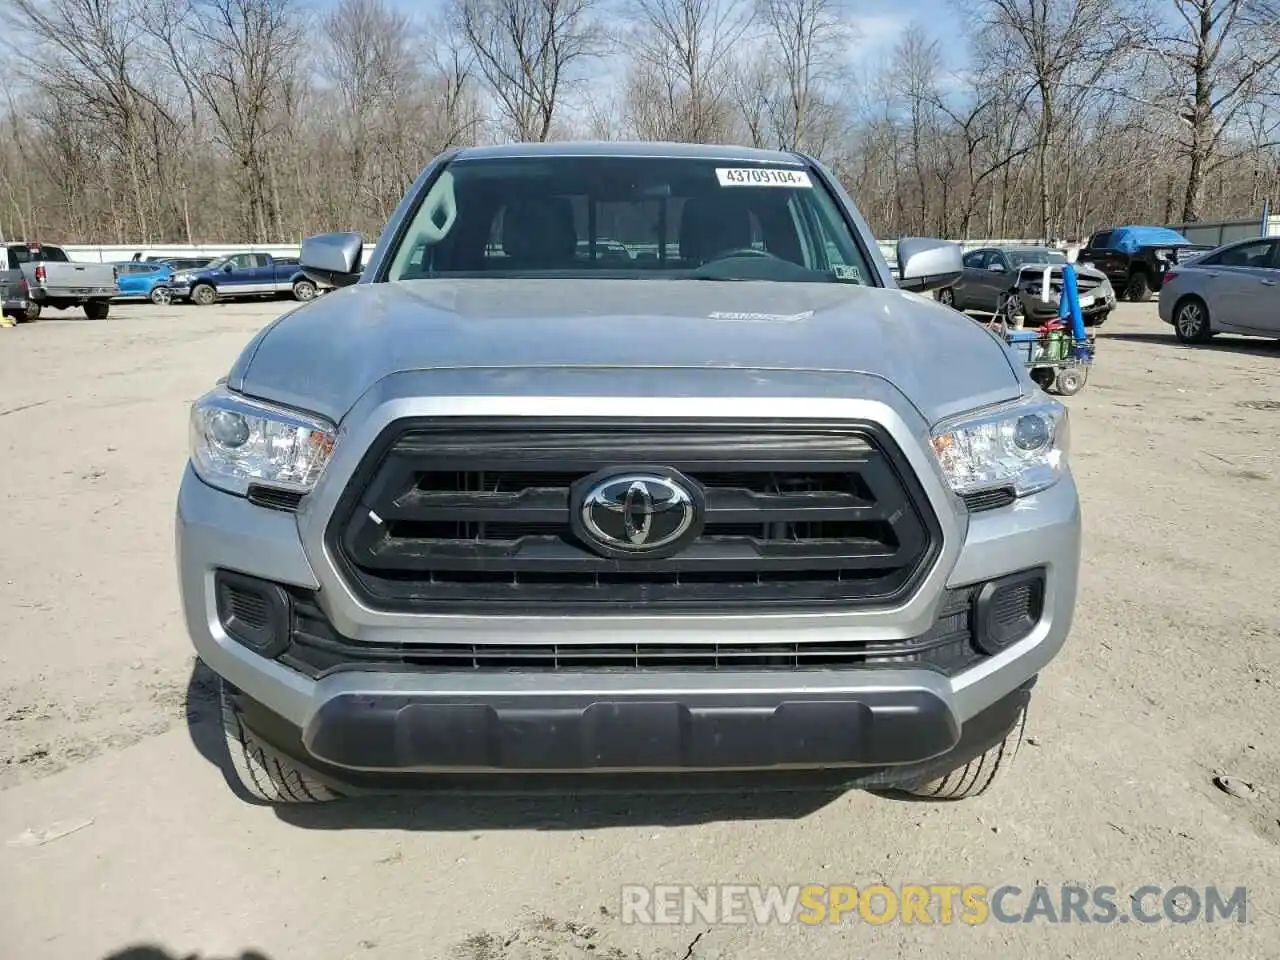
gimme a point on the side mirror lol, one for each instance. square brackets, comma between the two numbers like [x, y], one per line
[925, 264]
[996, 267]
[227, 268]
[333, 258]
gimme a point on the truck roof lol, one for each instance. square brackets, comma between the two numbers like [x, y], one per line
[622, 148]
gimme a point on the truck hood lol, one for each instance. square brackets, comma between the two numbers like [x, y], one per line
[1084, 271]
[324, 356]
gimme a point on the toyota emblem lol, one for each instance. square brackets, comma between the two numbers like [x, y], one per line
[638, 513]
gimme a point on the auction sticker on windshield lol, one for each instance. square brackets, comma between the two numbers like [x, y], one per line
[762, 177]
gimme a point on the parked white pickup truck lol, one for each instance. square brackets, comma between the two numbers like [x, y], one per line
[34, 276]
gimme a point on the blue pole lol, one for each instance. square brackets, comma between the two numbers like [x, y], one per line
[1069, 303]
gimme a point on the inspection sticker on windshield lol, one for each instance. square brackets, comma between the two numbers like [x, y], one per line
[762, 177]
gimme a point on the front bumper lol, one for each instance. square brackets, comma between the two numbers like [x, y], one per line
[1038, 309]
[397, 719]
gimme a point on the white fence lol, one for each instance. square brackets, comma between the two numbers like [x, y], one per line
[1216, 232]
[118, 253]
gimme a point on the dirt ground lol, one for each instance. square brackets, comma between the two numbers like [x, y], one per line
[1172, 677]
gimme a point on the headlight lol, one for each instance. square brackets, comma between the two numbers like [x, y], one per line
[182, 278]
[236, 441]
[1023, 446]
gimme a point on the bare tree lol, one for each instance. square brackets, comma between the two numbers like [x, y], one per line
[810, 39]
[1057, 45]
[92, 60]
[990, 128]
[917, 62]
[370, 63]
[249, 54]
[1218, 59]
[527, 50]
[148, 121]
[682, 59]
[753, 85]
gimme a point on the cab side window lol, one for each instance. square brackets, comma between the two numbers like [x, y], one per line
[1256, 254]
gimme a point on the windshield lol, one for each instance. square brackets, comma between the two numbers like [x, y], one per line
[212, 264]
[1020, 257]
[629, 217]
[22, 253]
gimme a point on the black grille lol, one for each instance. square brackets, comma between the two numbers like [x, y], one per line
[316, 649]
[446, 515]
[274, 499]
[990, 499]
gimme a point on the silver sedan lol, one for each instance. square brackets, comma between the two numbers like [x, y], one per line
[1233, 289]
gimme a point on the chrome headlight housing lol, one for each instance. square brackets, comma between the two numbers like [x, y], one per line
[1023, 445]
[236, 442]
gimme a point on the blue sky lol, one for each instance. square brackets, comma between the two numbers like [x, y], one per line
[880, 22]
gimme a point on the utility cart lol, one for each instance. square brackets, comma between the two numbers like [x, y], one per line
[1058, 353]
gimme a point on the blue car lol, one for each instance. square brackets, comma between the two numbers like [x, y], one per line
[144, 280]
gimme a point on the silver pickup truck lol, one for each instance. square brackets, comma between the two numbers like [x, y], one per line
[514, 507]
[34, 276]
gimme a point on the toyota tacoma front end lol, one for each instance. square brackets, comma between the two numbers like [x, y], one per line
[618, 460]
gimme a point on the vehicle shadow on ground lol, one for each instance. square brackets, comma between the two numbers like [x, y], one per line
[581, 804]
[152, 952]
[1251, 346]
[569, 811]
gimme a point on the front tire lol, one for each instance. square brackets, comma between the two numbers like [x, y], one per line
[1139, 288]
[203, 295]
[97, 309]
[263, 775]
[1191, 321]
[976, 776]
[1098, 319]
[1010, 309]
[304, 290]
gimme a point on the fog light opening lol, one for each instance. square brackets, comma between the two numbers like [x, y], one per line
[1007, 610]
[255, 613]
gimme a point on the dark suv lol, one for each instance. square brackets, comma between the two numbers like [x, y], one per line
[1136, 259]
